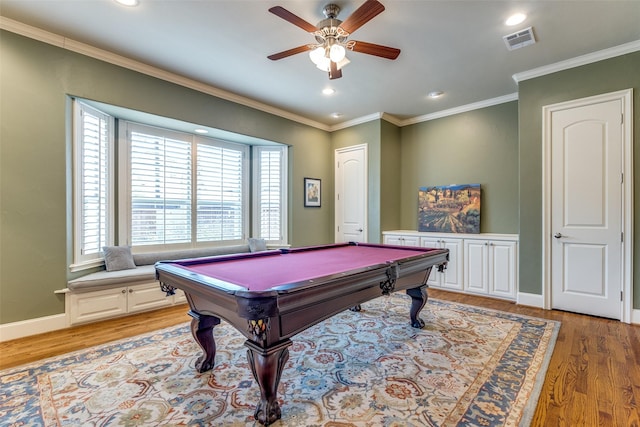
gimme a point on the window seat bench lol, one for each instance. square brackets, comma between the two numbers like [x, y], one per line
[106, 294]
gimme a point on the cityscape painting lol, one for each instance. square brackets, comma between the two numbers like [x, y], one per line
[449, 208]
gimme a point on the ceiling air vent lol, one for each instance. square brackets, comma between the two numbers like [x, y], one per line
[519, 39]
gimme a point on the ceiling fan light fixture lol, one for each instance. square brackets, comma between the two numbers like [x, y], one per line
[323, 63]
[342, 63]
[317, 54]
[337, 53]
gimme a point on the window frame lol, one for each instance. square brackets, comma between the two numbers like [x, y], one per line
[256, 193]
[124, 187]
[81, 260]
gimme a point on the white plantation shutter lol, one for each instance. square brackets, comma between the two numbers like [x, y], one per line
[92, 153]
[160, 189]
[220, 193]
[269, 186]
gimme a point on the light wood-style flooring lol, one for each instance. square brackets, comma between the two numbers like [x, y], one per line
[593, 377]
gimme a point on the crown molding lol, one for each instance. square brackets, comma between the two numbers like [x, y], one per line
[112, 58]
[578, 61]
[462, 109]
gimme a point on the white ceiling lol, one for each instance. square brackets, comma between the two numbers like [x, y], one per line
[455, 46]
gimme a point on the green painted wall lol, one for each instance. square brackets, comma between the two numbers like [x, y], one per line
[498, 147]
[390, 177]
[614, 74]
[476, 147]
[36, 80]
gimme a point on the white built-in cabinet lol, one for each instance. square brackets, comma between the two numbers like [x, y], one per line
[401, 240]
[490, 267]
[96, 305]
[484, 264]
[451, 277]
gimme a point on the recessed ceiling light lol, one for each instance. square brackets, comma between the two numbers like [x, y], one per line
[201, 131]
[516, 19]
[128, 2]
[328, 91]
[435, 94]
[336, 115]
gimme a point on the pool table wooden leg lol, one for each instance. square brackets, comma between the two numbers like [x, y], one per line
[419, 298]
[267, 365]
[202, 331]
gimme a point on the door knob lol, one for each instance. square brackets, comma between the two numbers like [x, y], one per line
[359, 230]
[558, 235]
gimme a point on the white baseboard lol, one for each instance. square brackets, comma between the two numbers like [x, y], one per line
[534, 300]
[25, 328]
[531, 300]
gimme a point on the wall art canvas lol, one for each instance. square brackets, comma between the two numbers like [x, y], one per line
[449, 208]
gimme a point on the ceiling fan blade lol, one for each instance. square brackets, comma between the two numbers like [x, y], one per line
[365, 13]
[373, 49]
[334, 72]
[290, 52]
[294, 19]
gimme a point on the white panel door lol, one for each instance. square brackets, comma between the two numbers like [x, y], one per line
[351, 194]
[586, 209]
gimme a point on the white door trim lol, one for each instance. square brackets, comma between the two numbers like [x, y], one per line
[626, 100]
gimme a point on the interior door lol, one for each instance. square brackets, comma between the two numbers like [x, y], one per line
[351, 194]
[586, 209]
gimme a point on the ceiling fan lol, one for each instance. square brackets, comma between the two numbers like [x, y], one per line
[329, 53]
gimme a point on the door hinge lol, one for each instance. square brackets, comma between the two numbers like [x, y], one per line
[338, 229]
[621, 298]
[622, 178]
[621, 119]
[622, 237]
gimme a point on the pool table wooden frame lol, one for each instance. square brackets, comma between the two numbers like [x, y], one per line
[269, 318]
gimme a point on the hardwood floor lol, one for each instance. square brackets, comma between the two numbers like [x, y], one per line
[593, 377]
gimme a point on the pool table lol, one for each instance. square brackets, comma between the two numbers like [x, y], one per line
[272, 295]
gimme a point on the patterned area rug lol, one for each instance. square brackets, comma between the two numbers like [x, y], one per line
[468, 366]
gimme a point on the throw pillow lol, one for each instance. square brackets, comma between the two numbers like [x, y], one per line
[118, 258]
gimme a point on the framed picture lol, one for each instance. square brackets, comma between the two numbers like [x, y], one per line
[449, 208]
[312, 195]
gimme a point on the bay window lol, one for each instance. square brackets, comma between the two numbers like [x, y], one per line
[174, 189]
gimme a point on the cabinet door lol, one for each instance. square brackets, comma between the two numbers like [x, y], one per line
[96, 305]
[402, 240]
[476, 265]
[502, 281]
[147, 297]
[411, 241]
[452, 276]
[393, 239]
[434, 276]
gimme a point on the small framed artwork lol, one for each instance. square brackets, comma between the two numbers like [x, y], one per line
[312, 192]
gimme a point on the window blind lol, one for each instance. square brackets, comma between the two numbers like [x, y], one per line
[219, 193]
[94, 158]
[270, 193]
[161, 190]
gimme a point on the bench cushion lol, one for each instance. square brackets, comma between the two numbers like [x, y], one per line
[145, 270]
[109, 279]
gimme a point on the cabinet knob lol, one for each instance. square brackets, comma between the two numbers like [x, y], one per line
[124, 291]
